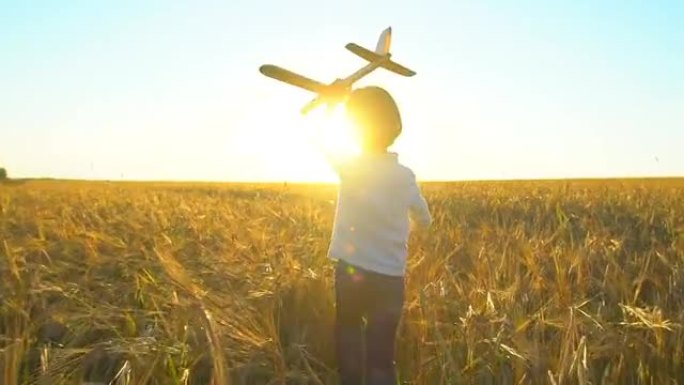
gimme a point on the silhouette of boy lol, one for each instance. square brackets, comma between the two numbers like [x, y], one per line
[378, 198]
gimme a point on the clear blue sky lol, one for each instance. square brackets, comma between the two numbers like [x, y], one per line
[505, 89]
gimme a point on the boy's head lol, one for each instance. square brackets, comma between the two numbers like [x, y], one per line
[375, 116]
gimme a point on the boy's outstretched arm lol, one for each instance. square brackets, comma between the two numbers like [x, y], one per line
[419, 210]
[336, 162]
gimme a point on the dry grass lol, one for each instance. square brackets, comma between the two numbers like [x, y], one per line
[518, 283]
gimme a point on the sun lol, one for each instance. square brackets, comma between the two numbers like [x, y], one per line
[282, 145]
[332, 131]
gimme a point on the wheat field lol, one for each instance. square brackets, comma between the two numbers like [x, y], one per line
[538, 282]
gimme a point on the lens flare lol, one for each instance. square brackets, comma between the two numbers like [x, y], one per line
[333, 131]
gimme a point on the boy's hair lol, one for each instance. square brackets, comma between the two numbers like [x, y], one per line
[376, 116]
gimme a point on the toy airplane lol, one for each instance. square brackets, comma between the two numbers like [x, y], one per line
[337, 90]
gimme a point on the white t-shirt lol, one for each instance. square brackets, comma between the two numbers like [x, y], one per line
[377, 198]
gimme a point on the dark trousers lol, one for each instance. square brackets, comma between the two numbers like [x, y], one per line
[366, 351]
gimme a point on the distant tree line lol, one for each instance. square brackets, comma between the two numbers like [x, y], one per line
[3, 174]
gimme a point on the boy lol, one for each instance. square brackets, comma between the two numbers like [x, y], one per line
[377, 197]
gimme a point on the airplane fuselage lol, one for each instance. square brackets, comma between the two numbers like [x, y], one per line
[336, 90]
[365, 70]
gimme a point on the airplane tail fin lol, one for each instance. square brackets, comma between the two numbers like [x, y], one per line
[384, 42]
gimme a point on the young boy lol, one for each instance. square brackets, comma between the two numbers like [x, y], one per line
[377, 197]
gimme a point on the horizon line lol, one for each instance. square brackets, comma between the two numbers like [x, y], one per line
[304, 182]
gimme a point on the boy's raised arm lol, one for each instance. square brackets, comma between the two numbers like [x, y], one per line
[336, 162]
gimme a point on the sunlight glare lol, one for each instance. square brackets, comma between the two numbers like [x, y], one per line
[281, 144]
[333, 131]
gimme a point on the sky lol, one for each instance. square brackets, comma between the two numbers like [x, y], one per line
[170, 90]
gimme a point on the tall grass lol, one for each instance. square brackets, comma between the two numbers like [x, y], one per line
[518, 283]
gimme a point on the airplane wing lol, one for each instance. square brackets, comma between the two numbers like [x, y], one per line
[292, 78]
[363, 53]
[397, 68]
[372, 57]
